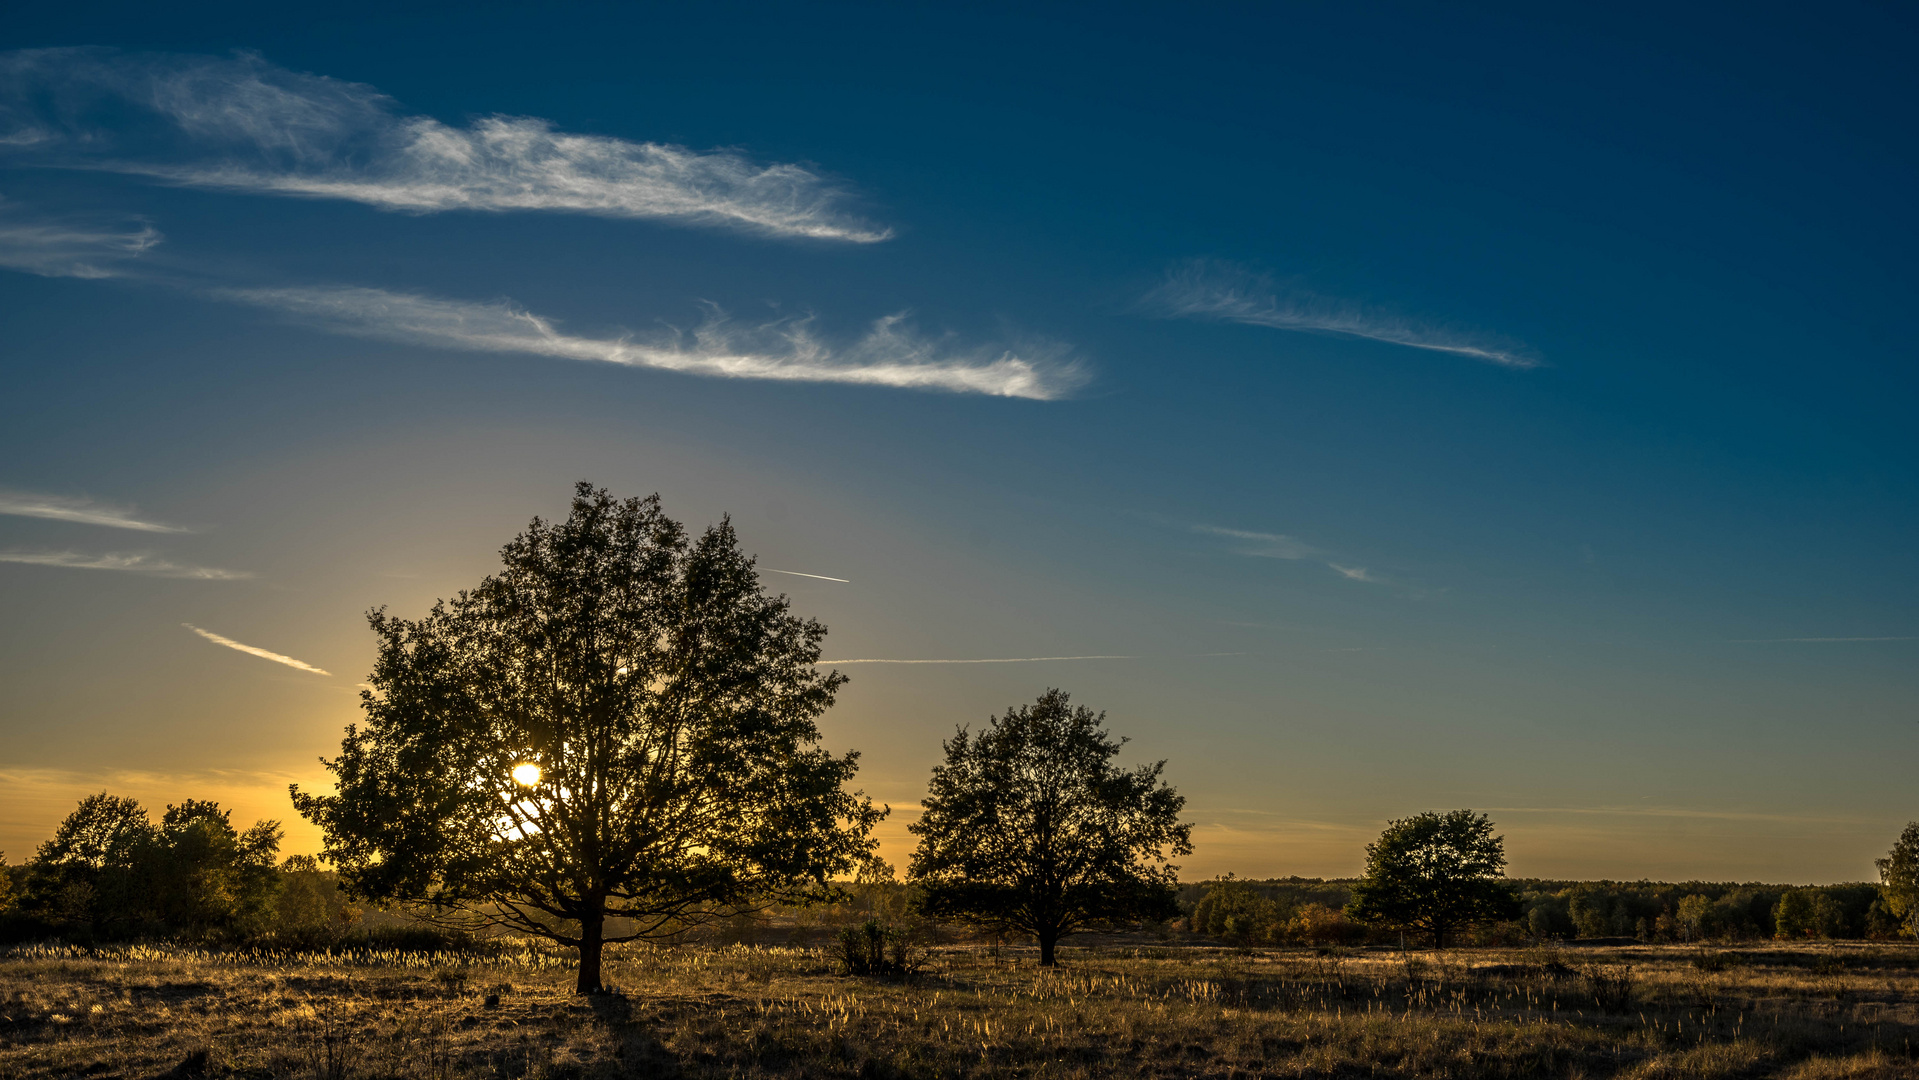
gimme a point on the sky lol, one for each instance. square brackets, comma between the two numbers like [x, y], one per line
[1372, 410]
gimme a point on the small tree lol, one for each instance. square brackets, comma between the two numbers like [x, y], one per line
[1899, 878]
[618, 726]
[1435, 873]
[1030, 827]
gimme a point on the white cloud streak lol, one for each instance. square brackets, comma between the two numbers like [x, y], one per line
[1222, 292]
[1263, 545]
[253, 651]
[796, 573]
[132, 564]
[242, 124]
[53, 247]
[1007, 660]
[891, 354]
[1260, 545]
[78, 510]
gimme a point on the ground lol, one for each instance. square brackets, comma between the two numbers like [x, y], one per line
[1803, 1012]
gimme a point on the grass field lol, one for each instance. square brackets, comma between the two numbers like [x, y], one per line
[1804, 1012]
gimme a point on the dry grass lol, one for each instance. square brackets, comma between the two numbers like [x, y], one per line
[1814, 1013]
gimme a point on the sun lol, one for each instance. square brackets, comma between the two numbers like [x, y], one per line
[526, 774]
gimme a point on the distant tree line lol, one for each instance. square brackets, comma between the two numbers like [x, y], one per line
[1312, 911]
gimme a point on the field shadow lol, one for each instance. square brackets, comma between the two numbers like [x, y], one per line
[639, 1049]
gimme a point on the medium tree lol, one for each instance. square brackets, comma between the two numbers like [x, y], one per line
[109, 870]
[1031, 827]
[1899, 878]
[619, 725]
[1435, 873]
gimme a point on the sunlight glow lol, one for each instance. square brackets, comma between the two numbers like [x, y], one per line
[526, 774]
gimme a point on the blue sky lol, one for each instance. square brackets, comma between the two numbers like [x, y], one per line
[1428, 406]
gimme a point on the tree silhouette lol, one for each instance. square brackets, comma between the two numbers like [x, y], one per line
[1030, 827]
[109, 870]
[1436, 873]
[617, 726]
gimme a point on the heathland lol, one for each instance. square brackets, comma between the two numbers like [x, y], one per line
[1801, 1010]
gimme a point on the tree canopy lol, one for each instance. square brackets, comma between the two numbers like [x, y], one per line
[1435, 873]
[618, 725]
[1029, 826]
[1899, 876]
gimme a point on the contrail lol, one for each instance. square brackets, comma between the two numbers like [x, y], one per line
[1002, 660]
[796, 573]
[251, 651]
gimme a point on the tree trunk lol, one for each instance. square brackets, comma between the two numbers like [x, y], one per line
[592, 944]
[1047, 940]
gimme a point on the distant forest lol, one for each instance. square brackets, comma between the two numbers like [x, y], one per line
[200, 880]
[1311, 911]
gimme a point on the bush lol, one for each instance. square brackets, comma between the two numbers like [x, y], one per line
[872, 948]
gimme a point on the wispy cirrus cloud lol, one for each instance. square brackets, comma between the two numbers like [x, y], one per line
[148, 565]
[69, 247]
[79, 510]
[890, 353]
[1223, 292]
[242, 124]
[1264, 545]
[1260, 545]
[252, 650]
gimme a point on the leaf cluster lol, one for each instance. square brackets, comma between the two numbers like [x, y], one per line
[1899, 878]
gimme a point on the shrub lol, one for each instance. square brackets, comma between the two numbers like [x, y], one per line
[872, 948]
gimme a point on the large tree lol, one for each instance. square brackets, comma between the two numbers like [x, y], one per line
[1031, 827]
[613, 738]
[1899, 878]
[1435, 873]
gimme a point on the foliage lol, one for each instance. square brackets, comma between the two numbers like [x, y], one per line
[110, 871]
[1266, 913]
[1810, 913]
[874, 948]
[1899, 877]
[1030, 827]
[669, 706]
[6, 885]
[1232, 910]
[1435, 873]
[310, 905]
